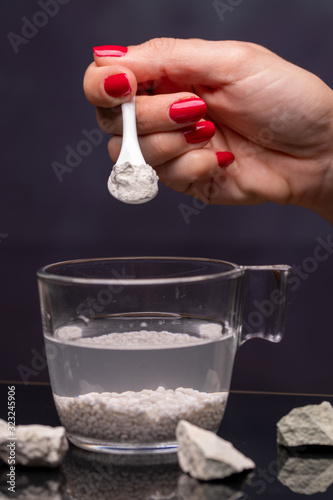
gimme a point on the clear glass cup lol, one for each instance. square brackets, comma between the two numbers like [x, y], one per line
[136, 344]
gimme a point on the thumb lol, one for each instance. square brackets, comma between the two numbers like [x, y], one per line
[191, 61]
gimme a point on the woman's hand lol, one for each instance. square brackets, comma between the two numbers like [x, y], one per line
[197, 101]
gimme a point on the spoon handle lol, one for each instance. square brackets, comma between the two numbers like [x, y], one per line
[130, 149]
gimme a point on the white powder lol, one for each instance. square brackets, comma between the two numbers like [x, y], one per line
[147, 416]
[210, 331]
[131, 183]
[146, 338]
[142, 338]
[69, 333]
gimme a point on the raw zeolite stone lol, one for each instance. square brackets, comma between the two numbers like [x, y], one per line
[35, 445]
[206, 456]
[307, 425]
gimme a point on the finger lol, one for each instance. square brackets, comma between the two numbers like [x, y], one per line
[201, 174]
[109, 86]
[195, 61]
[159, 113]
[197, 165]
[245, 181]
[163, 146]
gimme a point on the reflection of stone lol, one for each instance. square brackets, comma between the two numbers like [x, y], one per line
[100, 476]
[33, 484]
[311, 424]
[206, 456]
[304, 471]
[191, 489]
[34, 445]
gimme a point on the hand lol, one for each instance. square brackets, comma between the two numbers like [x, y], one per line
[276, 118]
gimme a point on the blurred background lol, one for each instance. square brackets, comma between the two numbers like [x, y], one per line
[46, 47]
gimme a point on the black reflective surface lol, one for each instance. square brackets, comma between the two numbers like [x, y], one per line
[249, 423]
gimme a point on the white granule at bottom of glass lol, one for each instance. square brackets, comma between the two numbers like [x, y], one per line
[147, 416]
[133, 183]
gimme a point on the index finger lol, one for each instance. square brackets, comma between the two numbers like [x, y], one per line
[195, 61]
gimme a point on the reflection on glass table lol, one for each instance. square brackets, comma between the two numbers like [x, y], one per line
[104, 476]
[306, 470]
[86, 475]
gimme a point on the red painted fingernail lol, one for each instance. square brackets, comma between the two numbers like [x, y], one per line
[200, 132]
[110, 51]
[117, 85]
[188, 110]
[225, 158]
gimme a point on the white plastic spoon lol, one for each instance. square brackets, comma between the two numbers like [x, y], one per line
[132, 180]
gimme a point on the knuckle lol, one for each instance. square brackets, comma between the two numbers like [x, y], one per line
[141, 122]
[145, 117]
[160, 147]
[239, 51]
[160, 45]
[198, 168]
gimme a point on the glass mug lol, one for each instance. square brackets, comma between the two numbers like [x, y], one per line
[136, 344]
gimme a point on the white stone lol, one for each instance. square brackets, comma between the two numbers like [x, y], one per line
[35, 445]
[206, 456]
[307, 425]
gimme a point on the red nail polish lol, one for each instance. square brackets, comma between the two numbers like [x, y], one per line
[200, 132]
[188, 110]
[110, 51]
[117, 85]
[225, 158]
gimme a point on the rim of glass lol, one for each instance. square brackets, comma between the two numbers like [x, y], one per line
[44, 274]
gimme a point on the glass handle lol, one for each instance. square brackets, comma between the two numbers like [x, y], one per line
[266, 302]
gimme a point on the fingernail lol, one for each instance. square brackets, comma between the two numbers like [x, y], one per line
[110, 51]
[188, 110]
[201, 131]
[225, 158]
[117, 85]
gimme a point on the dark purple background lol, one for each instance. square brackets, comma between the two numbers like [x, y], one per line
[44, 111]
